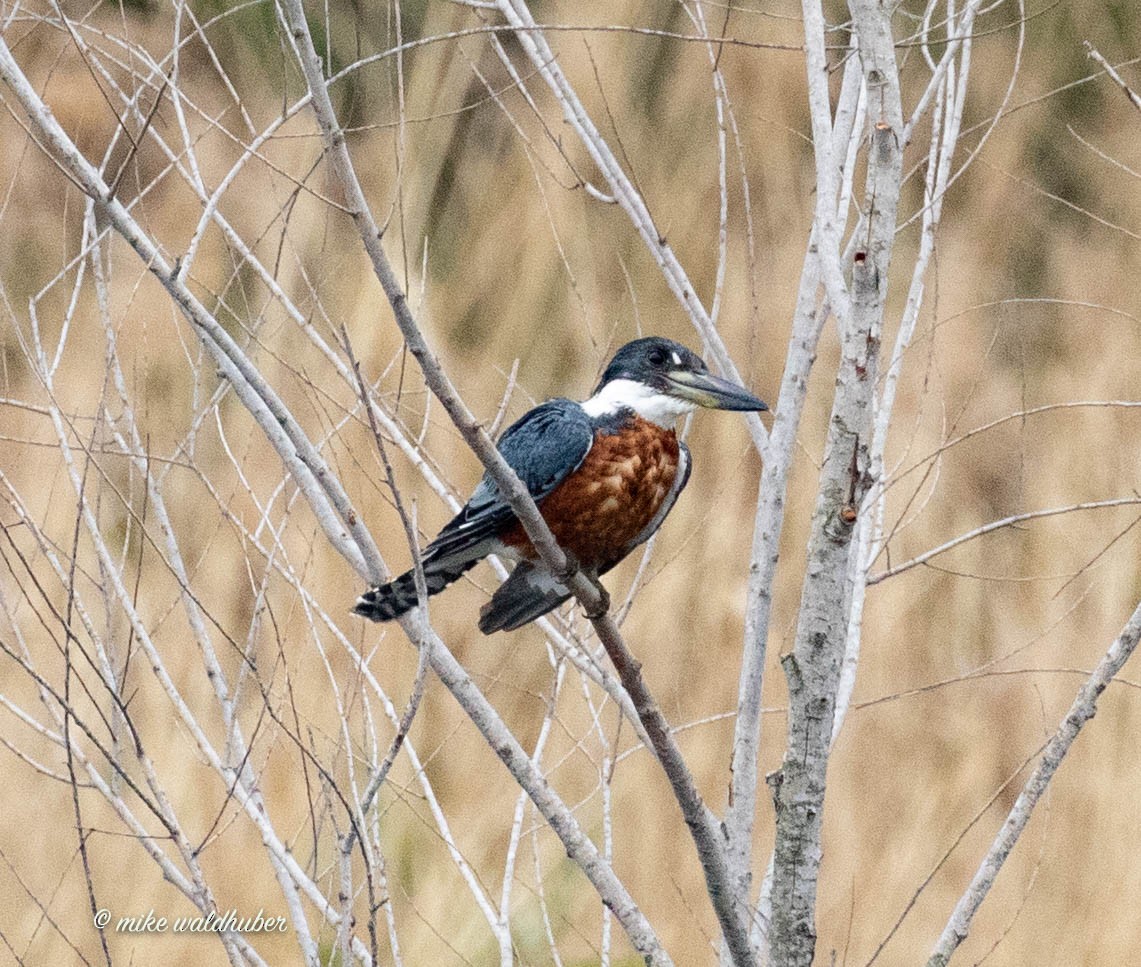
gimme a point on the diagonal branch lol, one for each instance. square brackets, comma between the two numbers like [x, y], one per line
[991, 527]
[342, 526]
[335, 513]
[1081, 711]
[702, 824]
[1094, 54]
[534, 44]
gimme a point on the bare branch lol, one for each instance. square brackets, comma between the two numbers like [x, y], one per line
[700, 821]
[1081, 711]
[813, 668]
[342, 525]
[590, 594]
[1095, 55]
[995, 525]
[535, 45]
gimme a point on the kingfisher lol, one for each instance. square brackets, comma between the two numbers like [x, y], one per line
[604, 474]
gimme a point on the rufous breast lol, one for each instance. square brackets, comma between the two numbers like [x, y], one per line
[601, 508]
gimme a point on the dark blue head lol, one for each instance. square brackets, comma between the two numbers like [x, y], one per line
[654, 367]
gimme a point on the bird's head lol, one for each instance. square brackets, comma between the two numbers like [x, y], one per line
[661, 380]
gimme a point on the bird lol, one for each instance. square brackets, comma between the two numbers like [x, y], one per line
[604, 474]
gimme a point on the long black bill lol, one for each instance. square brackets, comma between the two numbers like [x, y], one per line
[713, 392]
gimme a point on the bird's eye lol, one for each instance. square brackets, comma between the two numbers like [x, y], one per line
[657, 357]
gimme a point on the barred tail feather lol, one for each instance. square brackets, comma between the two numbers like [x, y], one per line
[398, 597]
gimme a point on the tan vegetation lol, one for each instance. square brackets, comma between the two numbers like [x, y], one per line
[968, 662]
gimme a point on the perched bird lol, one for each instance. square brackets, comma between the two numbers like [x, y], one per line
[604, 474]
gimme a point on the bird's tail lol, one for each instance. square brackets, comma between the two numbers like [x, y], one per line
[529, 593]
[398, 597]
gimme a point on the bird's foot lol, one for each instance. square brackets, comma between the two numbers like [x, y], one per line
[569, 570]
[566, 575]
[603, 606]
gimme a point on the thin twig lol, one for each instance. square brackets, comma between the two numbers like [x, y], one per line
[1095, 54]
[995, 525]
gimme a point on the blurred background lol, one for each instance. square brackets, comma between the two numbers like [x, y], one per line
[968, 664]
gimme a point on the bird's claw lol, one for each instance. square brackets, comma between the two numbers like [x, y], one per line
[570, 568]
[603, 607]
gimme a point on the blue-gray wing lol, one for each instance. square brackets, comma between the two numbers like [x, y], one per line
[532, 590]
[544, 447]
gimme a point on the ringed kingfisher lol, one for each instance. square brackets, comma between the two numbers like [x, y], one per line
[604, 474]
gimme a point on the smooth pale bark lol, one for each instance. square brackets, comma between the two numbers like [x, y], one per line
[813, 667]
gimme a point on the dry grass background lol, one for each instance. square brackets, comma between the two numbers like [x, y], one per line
[1030, 302]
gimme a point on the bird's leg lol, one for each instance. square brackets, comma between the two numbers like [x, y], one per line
[603, 599]
[572, 568]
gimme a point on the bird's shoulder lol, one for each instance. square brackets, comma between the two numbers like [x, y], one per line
[552, 417]
[544, 446]
[547, 442]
